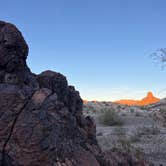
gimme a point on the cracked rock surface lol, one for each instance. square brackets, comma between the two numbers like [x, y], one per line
[41, 119]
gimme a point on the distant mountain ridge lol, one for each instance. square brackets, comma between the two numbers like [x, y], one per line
[149, 99]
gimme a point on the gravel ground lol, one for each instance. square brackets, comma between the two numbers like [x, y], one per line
[140, 129]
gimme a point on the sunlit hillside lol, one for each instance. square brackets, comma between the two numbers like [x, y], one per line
[149, 99]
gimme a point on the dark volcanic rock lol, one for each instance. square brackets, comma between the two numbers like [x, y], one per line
[41, 120]
[13, 54]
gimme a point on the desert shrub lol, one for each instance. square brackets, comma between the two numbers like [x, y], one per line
[138, 114]
[123, 114]
[142, 107]
[87, 109]
[150, 130]
[121, 143]
[120, 131]
[125, 145]
[105, 142]
[131, 110]
[136, 137]
[139, 153]
[163, 110]
[110, 117]
[119, 107]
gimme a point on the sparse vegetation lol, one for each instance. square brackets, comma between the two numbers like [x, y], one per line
[131, 130]
[151, 130]
[135, 137]
[122, 143]
[120, 131]
[89, 109]
[163, 112]
[138, 114]
[132, 110]
[142, 107]
[110, 117]
[105, 142]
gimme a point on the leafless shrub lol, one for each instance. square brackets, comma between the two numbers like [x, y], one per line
[159, 57]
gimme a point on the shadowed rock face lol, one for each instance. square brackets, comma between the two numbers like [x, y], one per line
[13, 54]
[13, 48]
[41, 121]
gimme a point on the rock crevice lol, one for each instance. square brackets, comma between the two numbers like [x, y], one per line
[4, 160]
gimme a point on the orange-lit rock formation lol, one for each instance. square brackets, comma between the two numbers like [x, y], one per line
[149, 99]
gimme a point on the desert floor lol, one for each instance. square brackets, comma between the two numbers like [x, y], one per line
[139, 130]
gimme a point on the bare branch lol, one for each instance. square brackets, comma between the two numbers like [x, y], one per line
[159, 57]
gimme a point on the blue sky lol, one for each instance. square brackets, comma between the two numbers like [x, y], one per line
[102, 46]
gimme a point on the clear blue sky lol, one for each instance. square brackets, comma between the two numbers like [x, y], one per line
[102, 46]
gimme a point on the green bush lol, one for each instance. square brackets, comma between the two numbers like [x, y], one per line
[110, 118]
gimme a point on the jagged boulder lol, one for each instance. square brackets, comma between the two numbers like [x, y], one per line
[41, 119]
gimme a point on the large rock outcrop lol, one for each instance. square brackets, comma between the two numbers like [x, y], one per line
[41, 120]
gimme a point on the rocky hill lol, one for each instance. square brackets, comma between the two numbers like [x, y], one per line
[41, 117]
[149, 99]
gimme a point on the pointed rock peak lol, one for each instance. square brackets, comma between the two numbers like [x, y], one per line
[150, 94]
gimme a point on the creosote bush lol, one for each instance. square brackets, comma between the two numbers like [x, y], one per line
[109, 117]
